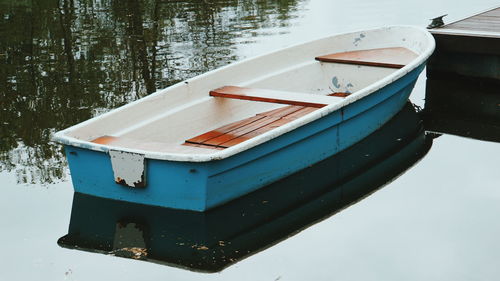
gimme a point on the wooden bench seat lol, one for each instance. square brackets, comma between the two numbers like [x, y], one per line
[239, 131]
[265, 95]
[396, 57]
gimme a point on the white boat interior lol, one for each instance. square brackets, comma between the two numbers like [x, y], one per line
[306, 76]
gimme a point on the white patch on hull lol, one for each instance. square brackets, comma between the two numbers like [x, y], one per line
[128, 168]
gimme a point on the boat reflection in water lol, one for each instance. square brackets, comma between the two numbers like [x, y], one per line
[215, 239]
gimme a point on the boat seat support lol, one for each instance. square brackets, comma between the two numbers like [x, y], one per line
[274, 96]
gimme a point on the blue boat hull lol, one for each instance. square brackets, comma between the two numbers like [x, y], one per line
[200, 186]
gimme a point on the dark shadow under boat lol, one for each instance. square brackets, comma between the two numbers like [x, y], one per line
[213, 240]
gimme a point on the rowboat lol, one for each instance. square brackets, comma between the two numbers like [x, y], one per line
[215, 137]
[218, 238]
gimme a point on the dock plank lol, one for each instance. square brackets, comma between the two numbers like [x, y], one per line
[488, 21]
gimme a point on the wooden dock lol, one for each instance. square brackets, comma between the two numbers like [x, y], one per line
[485, 24]
[468, 47]
[463, 78]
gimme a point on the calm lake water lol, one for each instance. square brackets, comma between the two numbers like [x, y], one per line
[62, 62]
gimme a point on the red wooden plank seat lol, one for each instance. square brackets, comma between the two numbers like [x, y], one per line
[396, 57]
[239, 131]
[265, 95]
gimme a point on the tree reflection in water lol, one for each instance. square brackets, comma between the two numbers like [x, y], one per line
[62, 62]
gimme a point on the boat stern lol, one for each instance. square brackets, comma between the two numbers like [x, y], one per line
[178, 185]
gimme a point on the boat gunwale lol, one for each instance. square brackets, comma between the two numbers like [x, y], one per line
[62, 138]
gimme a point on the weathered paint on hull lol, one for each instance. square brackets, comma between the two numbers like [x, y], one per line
[199, 186]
